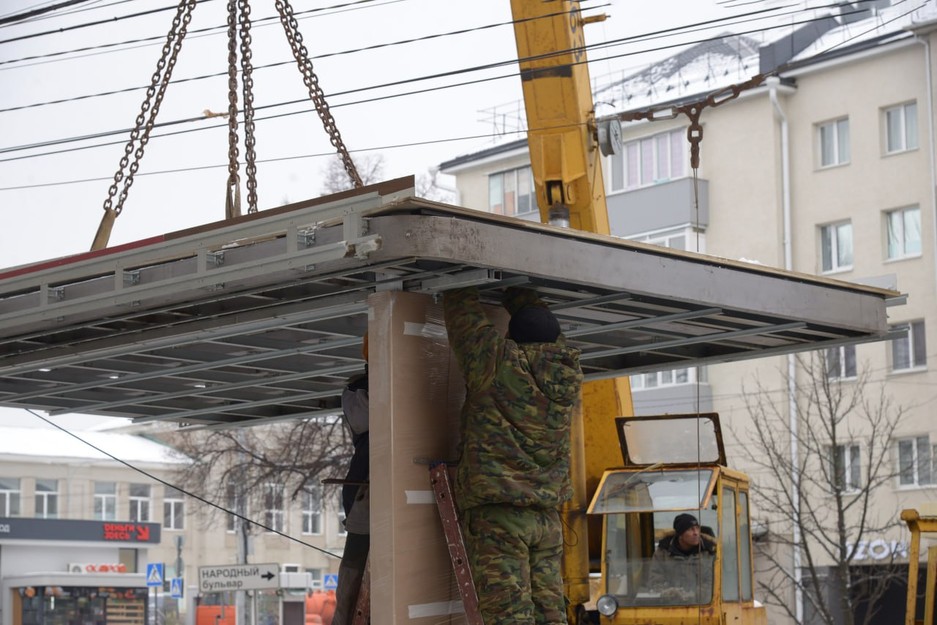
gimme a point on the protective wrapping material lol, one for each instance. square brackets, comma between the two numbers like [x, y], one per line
[416, 394]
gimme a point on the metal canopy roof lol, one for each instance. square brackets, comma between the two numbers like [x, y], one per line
[260, 318]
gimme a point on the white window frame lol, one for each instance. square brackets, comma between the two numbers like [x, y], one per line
[173, 509]
[11, 495]
[902, 136]
[311, 501]
[920, 469]
[47, 498]
[914, 344]
[667, 378]
[900, 241]
[235, 501]
[833, 143]
[644, 158]
[274, 513]
[140, 503]
[845, 466]
[105, 501]
[517, 177]
[841, 362]
[831, 237]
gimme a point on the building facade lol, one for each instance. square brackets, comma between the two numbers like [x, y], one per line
[80, 533]
[826, 168]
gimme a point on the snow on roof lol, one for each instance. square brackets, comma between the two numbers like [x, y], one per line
[39, 443]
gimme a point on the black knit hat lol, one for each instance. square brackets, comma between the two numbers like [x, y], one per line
[683, 522]
[533, 324]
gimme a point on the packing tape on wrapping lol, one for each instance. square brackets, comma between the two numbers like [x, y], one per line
[426, 330]
[439, 608]
[420, 497]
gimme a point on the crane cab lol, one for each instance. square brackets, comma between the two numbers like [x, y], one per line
[674, 465]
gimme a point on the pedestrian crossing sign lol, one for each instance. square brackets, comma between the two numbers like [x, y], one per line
[175, 588]
[330, 582]
[154, 574]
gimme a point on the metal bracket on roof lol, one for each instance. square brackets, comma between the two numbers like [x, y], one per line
[56, 293]
[471, 277]
[215, 259]
[306, 237]
[131, 278]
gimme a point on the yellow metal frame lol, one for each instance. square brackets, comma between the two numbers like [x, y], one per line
[918, 525]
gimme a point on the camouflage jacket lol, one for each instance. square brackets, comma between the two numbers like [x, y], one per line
[515, 423]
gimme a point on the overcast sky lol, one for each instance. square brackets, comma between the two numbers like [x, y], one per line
[182, 178]
[51, 195]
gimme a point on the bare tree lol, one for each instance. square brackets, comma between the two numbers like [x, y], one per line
[820, 501]
[252, 467]
[428, 186]
[370, 169]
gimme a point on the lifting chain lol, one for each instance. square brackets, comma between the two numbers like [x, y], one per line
[239, 15]
[233, 187]
[291, 28]
[694, 132]
[140, 135]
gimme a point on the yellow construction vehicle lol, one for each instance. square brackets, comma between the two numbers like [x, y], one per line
[565, 142]
[920, 522]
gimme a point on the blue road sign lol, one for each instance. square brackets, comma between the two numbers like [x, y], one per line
[175, 587]
[330, 582]
[154, 574]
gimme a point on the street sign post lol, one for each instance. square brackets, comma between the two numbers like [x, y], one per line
[238, 577]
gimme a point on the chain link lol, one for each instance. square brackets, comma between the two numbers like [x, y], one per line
[311, 81]
[247, 85]
[149, 109]
[694, 132]
[233, 187]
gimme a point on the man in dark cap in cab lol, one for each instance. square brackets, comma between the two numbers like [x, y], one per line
[682, 566]
[513, 475]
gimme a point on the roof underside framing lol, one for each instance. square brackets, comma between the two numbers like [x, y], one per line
[260, 319]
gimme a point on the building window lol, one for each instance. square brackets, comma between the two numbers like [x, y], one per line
[235, 503]
[841, 362]
[105, 501]
[671, 377]
[47, 499]
[9, 496]
[312, 509]
[901, 128]
[512, 192]
[836, 247]
[140, 502]
[846, 468]
[273, 507]
[903, 228]
[650, 160]
[834, 143]
[173, 509]
[916, 461]
[910, 351]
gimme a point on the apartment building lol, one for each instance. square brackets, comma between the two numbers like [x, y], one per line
[826, 168]
[84, 516]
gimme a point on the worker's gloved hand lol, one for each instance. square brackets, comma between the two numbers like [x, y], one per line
[514, 298]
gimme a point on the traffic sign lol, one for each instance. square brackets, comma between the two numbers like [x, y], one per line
[330, 581]
[238, 577]
[175, 588]
[154, 574]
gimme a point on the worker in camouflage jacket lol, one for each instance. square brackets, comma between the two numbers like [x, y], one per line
[513, 475]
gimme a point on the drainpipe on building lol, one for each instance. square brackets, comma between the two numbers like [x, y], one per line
[929, 81]
[773, 82]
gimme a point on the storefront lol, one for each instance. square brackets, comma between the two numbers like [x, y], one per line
[74, 572]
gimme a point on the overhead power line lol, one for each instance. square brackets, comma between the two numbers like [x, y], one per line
[19, 17]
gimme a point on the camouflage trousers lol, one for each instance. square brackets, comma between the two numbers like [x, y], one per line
[515, 554]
